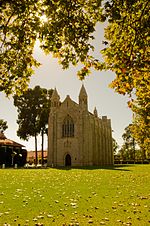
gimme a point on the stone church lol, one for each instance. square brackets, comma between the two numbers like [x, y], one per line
[77, 137]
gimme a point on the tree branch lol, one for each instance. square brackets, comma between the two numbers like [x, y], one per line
[5, 32]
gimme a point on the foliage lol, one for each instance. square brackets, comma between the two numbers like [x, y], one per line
[129, 143]
[128, 41]
[3, 125]
[33, 110]
[141, 132]
[114, 196]
[130, 149]
[19, 26]
[64, 28]
[115, 146]
[127, 54]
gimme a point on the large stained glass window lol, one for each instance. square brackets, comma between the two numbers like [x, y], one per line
[68, 127]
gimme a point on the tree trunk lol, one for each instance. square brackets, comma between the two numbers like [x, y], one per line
[42, 150]
[36, 154]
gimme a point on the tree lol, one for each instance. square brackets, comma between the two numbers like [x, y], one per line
[64, 28]
[43, 118]
[127, 54]
[130, 149]
[122, 154]
[115, 146]
[129, 143]
[33, 110]
[141, 132]
[3, 125]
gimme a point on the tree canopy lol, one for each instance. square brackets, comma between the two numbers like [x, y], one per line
[127, 54]
[64, 28]
[33, 108]
[3, 125]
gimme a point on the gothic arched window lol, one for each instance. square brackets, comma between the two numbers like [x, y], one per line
[68, 127]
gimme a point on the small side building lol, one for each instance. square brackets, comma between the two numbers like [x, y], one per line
[77, 137]
[11, 152]
[31, 156]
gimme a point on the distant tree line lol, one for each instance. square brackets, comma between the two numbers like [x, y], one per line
[130, 152]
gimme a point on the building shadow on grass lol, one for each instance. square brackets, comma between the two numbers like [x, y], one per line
[120, 167]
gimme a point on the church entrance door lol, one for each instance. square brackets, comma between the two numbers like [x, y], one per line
[68, 160]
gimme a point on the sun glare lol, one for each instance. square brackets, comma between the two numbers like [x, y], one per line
[43, 18]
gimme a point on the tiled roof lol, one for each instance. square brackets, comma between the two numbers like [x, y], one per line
[4, 141]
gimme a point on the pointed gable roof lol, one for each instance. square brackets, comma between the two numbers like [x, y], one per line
[95, 112]
[68, 102]
[83, 91]
[67, 99]
[55, 95]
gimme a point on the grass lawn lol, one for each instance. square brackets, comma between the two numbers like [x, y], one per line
[93, 196]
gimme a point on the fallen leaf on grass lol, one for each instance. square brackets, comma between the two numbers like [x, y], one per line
[49, 216]
[102, 223]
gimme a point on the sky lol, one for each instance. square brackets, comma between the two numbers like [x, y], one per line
[51, 75]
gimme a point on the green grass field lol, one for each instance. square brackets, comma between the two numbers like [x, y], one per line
[93, 196]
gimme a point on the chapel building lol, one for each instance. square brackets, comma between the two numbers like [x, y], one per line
[76, 137]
